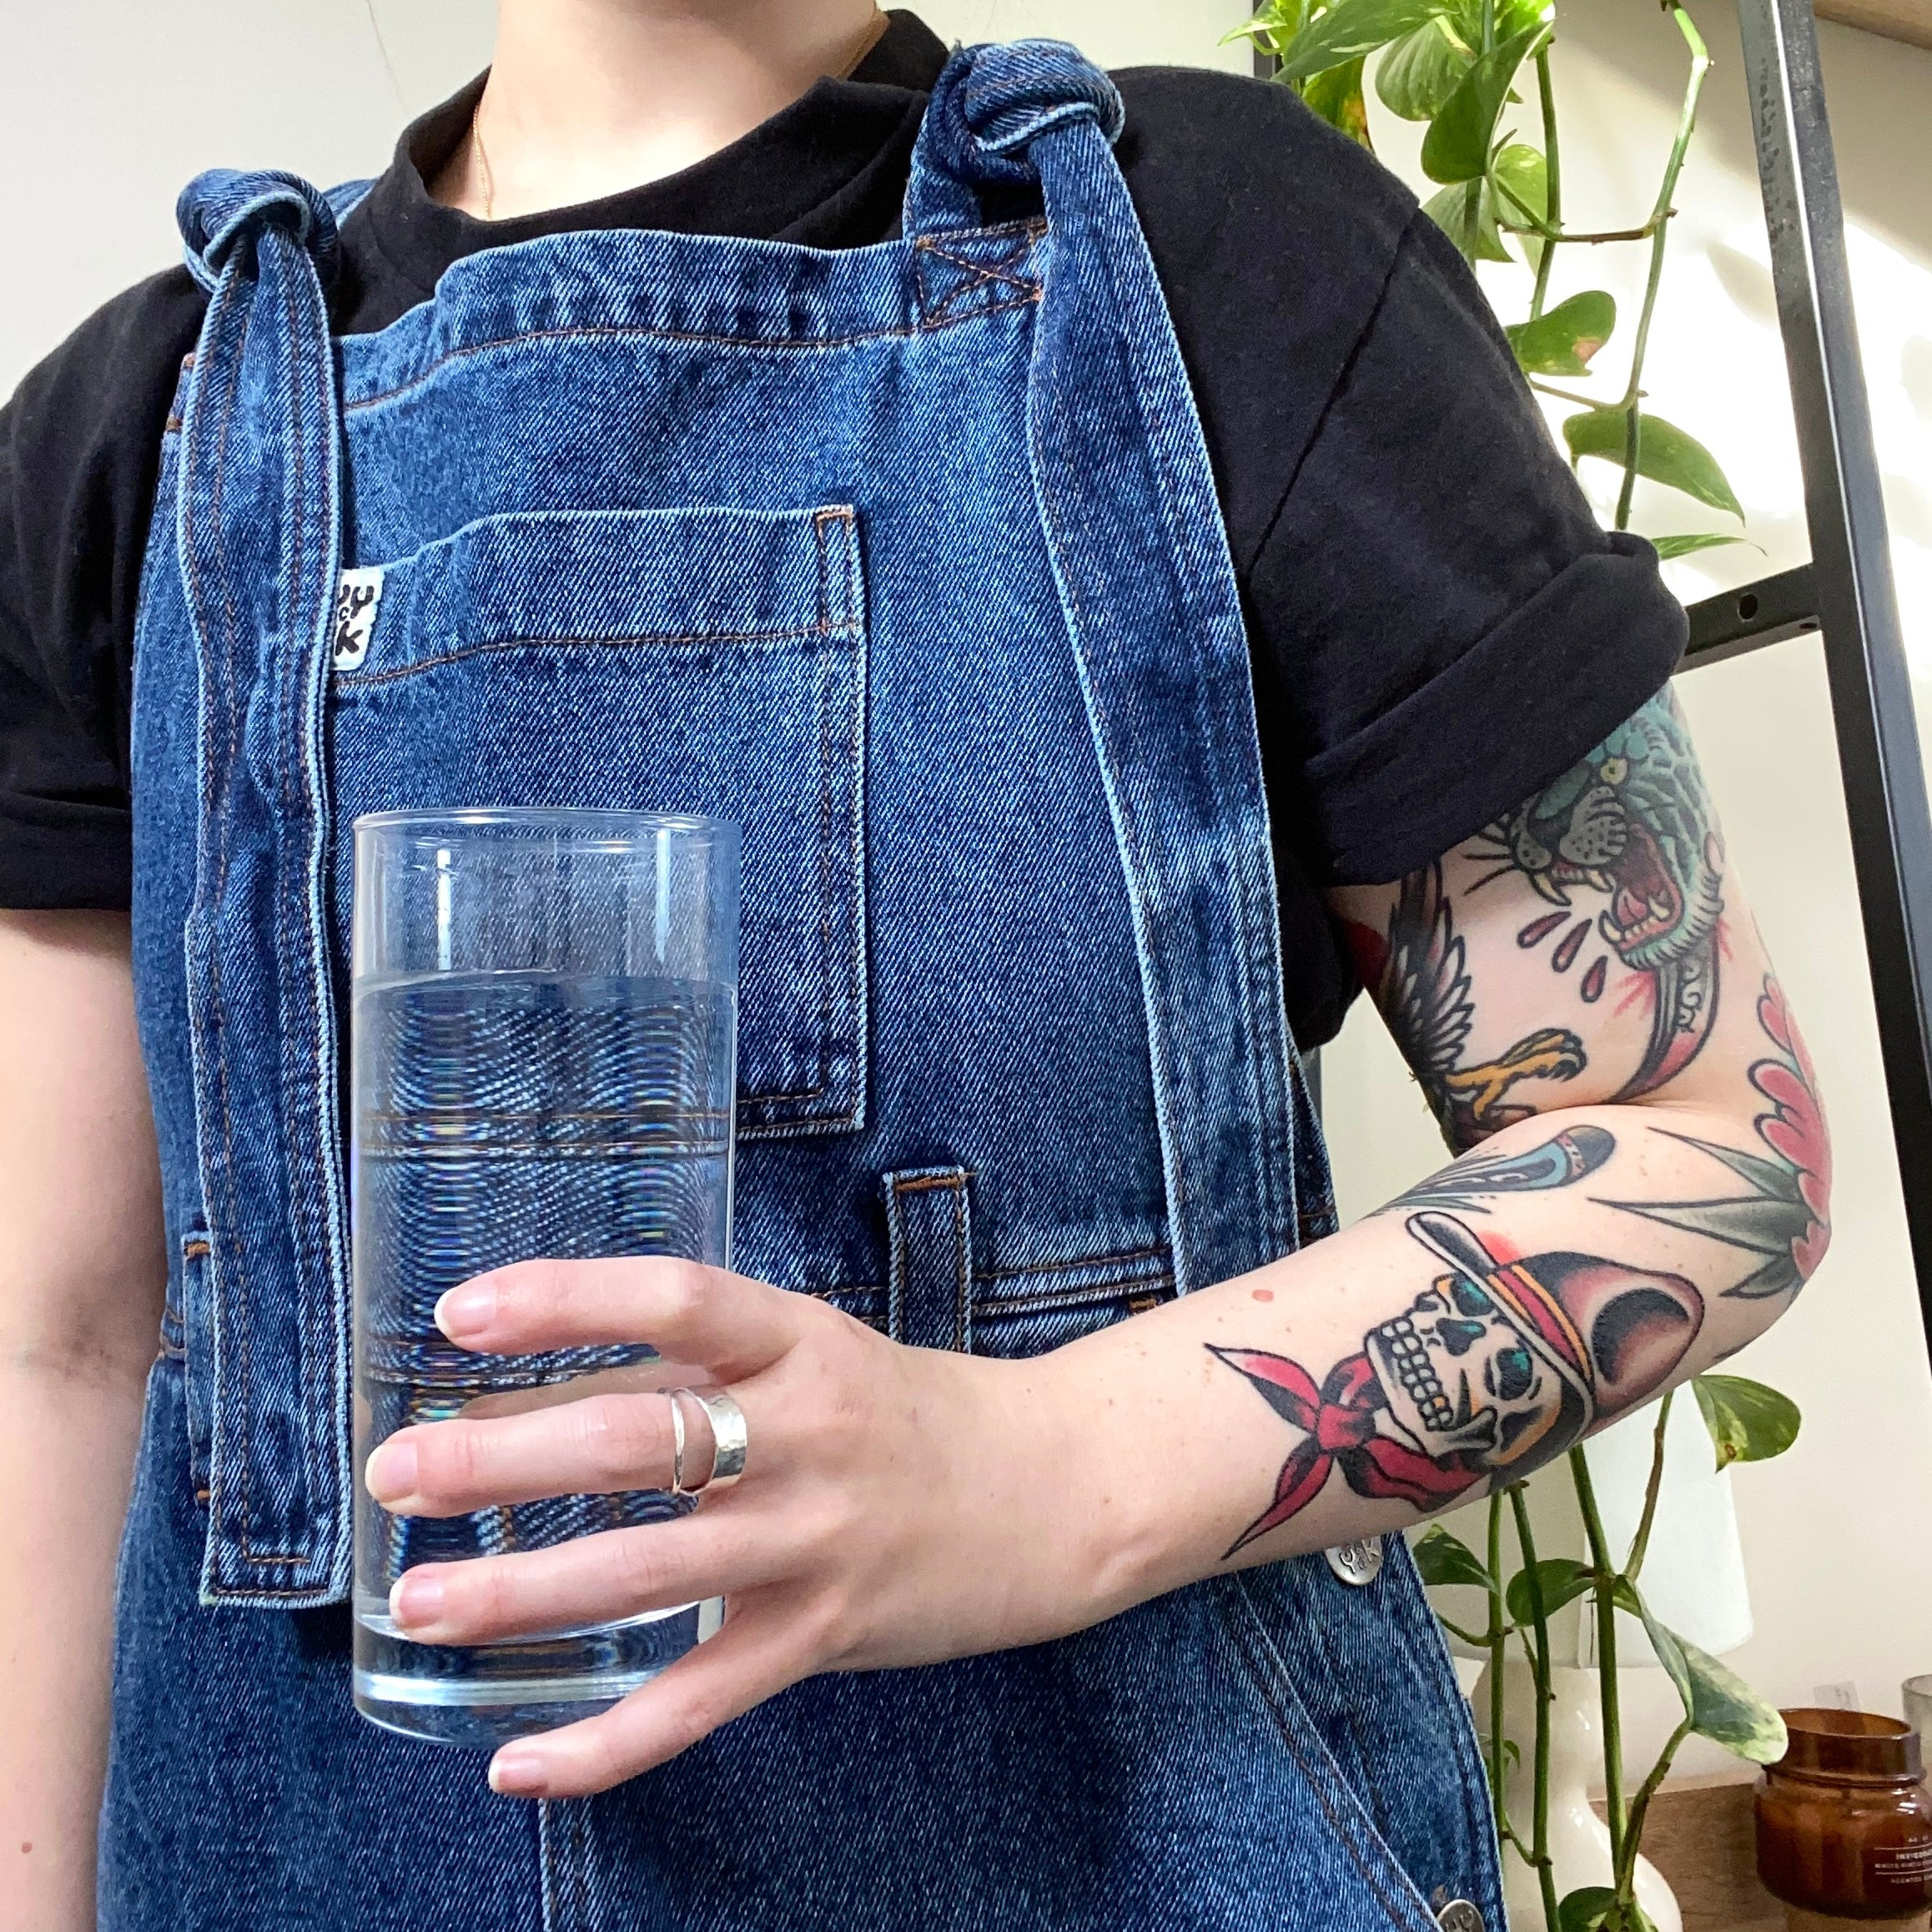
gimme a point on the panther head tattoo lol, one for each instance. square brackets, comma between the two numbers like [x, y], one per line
[1635, 822]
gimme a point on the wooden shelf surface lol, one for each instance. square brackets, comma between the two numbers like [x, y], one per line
[1910, 20]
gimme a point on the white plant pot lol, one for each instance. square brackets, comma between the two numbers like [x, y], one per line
[1579, 1840]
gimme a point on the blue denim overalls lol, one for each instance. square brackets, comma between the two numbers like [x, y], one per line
[910, 558]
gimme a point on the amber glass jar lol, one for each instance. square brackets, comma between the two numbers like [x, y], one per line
[1844, 1825]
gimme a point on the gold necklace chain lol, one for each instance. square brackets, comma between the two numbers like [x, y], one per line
[483, 162]
[874, 33]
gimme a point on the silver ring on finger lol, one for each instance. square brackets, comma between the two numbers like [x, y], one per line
[730, 1436]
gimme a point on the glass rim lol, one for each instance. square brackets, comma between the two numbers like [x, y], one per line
[598, 822]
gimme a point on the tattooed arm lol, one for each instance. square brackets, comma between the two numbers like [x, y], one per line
[1586, 1003]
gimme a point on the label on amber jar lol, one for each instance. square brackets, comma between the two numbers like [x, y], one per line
[1902, 1864]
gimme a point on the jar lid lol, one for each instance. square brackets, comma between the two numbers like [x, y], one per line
[1850, 1744]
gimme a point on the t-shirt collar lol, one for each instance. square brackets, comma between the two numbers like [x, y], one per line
[813, 155]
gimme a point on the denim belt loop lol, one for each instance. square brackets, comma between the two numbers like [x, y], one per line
[929, 1231]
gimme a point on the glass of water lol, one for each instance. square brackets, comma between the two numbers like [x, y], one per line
[544, 1045]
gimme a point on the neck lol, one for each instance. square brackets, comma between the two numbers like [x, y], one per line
[588, 98]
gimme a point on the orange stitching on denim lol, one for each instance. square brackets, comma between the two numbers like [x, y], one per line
[213, 952]
[1026, 1269]
[1091, 1294]
[623, 332]
[982, 274]
[992, 271]
[1321, 1780]
[844, 520]
[643, 640]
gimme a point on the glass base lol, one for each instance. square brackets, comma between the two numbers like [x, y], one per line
[484, 1695]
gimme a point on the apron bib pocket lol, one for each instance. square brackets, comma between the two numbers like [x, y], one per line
[699, 661]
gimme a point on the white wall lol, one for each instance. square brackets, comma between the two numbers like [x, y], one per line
[106, 109]
[1116, 32]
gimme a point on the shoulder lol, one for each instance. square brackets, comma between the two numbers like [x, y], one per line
[80, 444]
[88, 418]
[127, 348]
[1252, 155]
[1274, 237]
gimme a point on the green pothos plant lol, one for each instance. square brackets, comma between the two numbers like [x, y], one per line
[1748, 1423]
[1456, 66]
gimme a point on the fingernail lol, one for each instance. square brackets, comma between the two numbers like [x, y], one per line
[468, 1309]
[517, 1773]
[417, 1599]
[391, 1474]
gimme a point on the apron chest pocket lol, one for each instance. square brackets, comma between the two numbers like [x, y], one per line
[699, 661]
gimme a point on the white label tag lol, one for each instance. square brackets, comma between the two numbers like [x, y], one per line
[357, 595]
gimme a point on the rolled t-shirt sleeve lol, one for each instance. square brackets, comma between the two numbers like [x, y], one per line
[79, 451]
[1440, 624]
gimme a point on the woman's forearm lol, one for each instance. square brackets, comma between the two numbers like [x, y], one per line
[1565, 1272]
[901, 1505]
[81, 1280]
[67, 1442]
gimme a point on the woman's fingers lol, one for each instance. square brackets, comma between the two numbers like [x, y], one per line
[595, 1579]
[761, 1649]
[597, 1446]
[680, 1308]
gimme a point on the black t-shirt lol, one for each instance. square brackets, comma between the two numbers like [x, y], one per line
[1438, 625]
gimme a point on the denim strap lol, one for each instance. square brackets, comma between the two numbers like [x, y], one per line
[1147, 586]
[258, 517]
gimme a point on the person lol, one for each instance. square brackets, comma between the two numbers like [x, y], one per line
[1091, 535]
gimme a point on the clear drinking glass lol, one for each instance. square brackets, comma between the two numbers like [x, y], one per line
[544, 1045]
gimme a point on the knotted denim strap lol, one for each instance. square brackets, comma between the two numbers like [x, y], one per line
[1127, 497]
[259, 516]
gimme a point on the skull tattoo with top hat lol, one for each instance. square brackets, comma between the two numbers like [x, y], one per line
[1494, 1368]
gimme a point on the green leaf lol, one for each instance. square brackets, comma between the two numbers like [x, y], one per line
[1336, 96]
[1473, 231]
[1562, 340]
[1683, 545]
[1418, 75]
[1273, 26]
[1748, 1423]
[1666, 455]
[1510, 17]
[1353, 27]
[1583, 1910]
[1564, 1580]
[1443, 1558]
[1720, 1705]
[1456, 147]
[1519, 168]
[1521, 182]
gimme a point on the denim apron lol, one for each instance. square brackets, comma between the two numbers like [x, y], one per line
[908, 558]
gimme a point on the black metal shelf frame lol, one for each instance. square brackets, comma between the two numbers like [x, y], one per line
[1846, 591]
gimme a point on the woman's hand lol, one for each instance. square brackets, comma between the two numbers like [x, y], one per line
[899, 1506]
